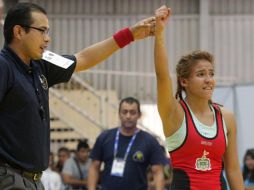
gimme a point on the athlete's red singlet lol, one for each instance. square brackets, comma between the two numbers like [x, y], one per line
[197, 162]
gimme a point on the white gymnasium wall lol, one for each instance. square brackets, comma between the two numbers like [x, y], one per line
[245, 111]
[239, 99]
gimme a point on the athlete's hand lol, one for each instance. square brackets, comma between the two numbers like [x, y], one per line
[162, 15]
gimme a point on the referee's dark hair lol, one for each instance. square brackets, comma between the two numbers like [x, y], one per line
[20, 14]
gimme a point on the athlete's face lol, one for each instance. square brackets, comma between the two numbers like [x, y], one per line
[129, 115]
[201, 81]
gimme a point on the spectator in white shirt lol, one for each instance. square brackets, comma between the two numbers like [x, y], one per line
[50, 178]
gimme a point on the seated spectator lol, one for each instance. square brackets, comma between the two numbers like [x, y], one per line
[50, 178]
[248, 169]
[75, 169]
[63, 155]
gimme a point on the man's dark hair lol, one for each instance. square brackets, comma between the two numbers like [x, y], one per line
[130, 100]
[21, 15]
[83, 144]
[64, 149]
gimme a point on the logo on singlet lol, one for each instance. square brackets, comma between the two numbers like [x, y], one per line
[203, 163]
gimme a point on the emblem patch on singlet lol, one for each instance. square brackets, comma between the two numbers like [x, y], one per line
[203, 163]
[44, 82]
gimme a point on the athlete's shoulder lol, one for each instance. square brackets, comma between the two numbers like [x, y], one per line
[226, 112]
[229, 118]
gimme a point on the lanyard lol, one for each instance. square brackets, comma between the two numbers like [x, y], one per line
[129, 145]
[41, 109]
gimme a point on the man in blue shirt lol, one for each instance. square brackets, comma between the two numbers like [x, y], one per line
[24, 81]
[126, 152]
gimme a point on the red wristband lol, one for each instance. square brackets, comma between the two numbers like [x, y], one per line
[123, 37]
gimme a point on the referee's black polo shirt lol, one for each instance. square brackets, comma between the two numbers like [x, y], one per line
[24, 109]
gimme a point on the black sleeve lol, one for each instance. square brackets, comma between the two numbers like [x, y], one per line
[56, 75]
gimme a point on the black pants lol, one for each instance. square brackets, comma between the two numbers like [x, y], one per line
[11, 180]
